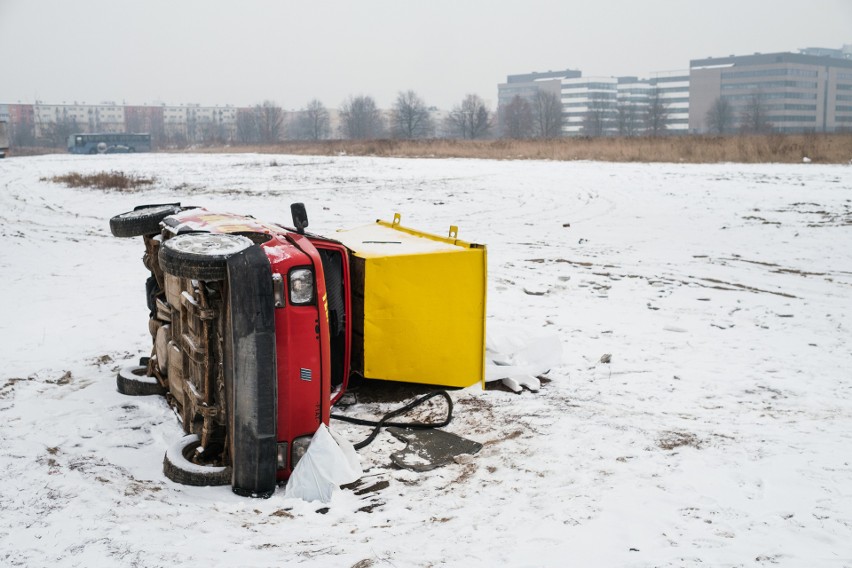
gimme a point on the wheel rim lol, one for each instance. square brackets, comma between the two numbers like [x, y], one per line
[209, 244]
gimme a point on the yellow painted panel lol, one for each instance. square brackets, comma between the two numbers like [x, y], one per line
[424, 306]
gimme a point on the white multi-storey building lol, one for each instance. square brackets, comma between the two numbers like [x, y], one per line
[589, 105]
[609, 106]
[105, 117]
[673, 90]
[194, 123]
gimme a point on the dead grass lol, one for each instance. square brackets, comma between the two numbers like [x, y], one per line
[113, 180]
[780, 148]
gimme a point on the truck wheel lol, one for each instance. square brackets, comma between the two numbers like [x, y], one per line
[133, 381]
[144, 220]
[178, 467]
[201, 256]
[250, 381]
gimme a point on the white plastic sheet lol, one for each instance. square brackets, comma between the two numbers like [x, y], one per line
[517, 355]
[330, 462]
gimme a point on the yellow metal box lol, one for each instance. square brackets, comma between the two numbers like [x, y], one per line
[418, 305]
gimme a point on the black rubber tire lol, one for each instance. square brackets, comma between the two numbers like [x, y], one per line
[250, 382]
[179, 469]
[132, 381]
[144, 220]
[201, 256]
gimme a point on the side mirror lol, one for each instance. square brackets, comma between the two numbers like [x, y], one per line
[300, 217]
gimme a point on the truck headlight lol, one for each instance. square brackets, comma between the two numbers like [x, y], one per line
[301, 286]
[282, 455]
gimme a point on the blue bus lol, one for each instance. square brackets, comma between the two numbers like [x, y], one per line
[109, 143]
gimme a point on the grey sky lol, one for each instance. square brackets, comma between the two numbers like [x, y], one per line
[242, 52]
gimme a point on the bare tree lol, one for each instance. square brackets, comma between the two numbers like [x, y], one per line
[23, 134]
[270, 119]
[410, 116]
[547, 114]
[470, 119]
[516, 118]
[656, 114]
[598, 118]
[753, 118]
[314, 122]
[210, 131]
[627, 118]
[247, 131]
[360, 118]
[720, 117]
[56, 133]
[175, 136]
[156, 127]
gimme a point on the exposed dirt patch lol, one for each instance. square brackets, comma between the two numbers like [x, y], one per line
[671, 440]
[282, 513]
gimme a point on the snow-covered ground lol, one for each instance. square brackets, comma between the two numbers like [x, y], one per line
[719, 434]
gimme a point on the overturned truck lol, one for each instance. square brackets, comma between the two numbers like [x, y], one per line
[256, 329]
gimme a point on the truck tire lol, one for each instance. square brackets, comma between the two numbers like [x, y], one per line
[133, 381]
[201, 256]
[144, 220]
[178, 468]
[250, 382]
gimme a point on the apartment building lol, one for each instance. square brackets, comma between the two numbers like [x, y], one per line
[797, 92]
[196, 124]
[168, 125]
[105, 117]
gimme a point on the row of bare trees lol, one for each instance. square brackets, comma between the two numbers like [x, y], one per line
[537, 117]
[360, 118]
[607, 115]
[411, 118]
[723, 117]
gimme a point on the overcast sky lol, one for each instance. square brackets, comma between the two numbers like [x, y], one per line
[242, 52]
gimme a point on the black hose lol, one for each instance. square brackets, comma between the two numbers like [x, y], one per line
[378, 425]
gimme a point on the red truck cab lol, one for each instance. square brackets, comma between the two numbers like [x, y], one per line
[251, 330]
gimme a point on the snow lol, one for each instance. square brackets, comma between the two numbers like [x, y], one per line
[137, 373]
[174, 453]
[719, 433]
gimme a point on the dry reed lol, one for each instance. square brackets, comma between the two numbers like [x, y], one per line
[769, 148]
[115, 180]
[772, 148]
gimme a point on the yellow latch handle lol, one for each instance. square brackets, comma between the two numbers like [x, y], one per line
[397, 218]
[454, 232]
